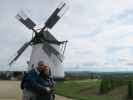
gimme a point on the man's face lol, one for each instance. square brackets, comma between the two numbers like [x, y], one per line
[43, 69]
[40, 68]
[46, 70]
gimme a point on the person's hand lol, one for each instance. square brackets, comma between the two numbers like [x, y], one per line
[52, 89]
[48, 89]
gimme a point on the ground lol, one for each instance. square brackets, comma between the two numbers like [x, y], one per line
[88, 89]
[78, 89]
[9, 90]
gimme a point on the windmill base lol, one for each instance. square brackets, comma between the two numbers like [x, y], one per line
[38, 54]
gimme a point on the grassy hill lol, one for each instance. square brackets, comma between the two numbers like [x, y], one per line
[89, 90]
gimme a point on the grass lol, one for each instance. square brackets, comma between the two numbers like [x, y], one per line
[87, 90]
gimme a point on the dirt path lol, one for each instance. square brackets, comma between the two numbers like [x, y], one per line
[61, 98]
[57, 98]
[9, 90]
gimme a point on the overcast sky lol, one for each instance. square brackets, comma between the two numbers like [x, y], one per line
[100, 32]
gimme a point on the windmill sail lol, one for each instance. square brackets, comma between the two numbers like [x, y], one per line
[53, 19]
[19, 52]
[51, 50]
[22, 17]
[47, 36]
[48, 40]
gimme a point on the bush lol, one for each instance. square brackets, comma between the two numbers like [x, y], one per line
[108, 84]
[105, 86]
[130, 89]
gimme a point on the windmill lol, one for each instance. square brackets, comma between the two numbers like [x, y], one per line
[45, 46]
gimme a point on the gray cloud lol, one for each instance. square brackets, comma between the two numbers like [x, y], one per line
[85, 25]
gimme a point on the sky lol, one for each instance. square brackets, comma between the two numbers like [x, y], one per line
[100, 32]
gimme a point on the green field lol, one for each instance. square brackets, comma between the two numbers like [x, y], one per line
[89, 90]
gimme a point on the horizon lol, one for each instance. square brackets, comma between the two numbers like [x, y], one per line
[76, 68]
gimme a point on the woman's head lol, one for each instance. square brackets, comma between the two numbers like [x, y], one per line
[43, 68]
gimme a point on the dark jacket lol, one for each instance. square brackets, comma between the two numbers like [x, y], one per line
[34, 82]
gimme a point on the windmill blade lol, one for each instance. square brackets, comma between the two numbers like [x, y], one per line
[19, 52]
[54, 18]
[22, 17]
[51, 50]
[48, 37]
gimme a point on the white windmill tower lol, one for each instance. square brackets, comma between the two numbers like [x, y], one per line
[45, 46]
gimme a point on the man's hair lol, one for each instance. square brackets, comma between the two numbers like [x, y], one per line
[40, 63]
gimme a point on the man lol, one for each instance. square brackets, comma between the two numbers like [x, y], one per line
[37, 84]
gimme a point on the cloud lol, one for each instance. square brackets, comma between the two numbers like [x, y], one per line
[101, 33]
[95, 29]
